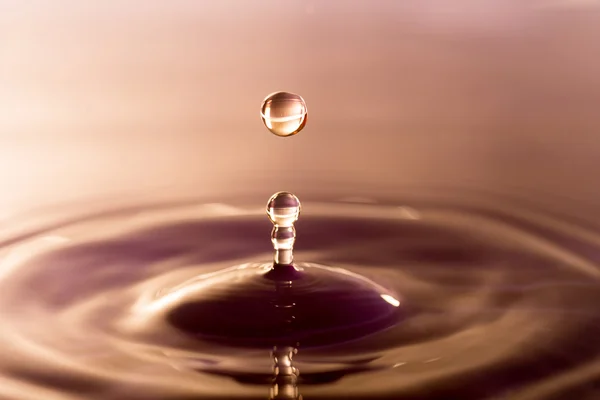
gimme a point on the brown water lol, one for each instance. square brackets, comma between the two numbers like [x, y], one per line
[483, 300]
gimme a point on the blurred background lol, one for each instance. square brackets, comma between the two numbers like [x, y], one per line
[163, 96]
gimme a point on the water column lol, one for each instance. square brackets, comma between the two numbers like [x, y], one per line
[283, 209]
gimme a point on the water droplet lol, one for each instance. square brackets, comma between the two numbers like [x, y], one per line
[283, 113]
[283, 209]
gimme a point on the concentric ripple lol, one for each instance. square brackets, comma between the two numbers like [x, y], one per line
[172, 303]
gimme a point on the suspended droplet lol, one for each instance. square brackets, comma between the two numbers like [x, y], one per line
[283, 113]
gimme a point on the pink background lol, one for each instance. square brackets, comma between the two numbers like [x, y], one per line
[164, 96]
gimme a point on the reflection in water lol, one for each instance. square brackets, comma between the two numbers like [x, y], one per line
[285, 374]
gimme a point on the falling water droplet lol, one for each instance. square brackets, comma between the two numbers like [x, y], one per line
[283, 113]
[283, 209]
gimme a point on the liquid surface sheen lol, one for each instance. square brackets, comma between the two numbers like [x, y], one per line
[413, 299]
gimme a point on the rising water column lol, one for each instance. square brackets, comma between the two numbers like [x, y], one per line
[283, 209]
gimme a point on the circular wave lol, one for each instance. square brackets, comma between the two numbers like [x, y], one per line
[493, 303]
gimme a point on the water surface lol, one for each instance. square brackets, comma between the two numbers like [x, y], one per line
[495, 301]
